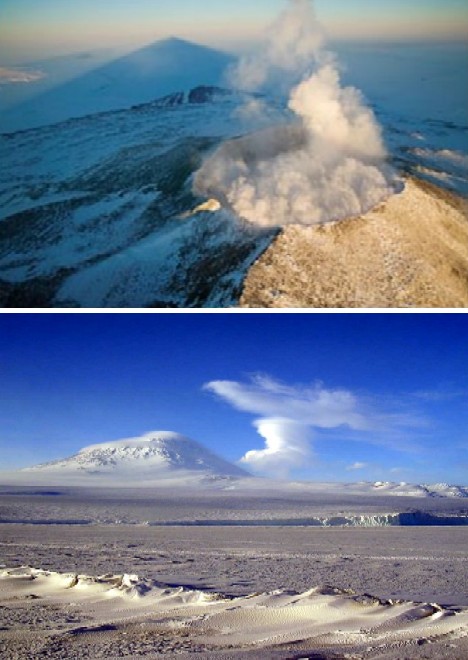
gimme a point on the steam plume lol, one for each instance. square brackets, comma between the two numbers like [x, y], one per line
[327, 164]
[287, 446]
[288, 417]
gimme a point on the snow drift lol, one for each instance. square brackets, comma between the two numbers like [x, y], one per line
[327, 617]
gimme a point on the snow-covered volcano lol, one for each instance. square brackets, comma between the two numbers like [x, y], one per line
[149, 458]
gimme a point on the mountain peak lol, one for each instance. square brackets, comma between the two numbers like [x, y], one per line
[161, 437]
[176, 40]
[153, 456]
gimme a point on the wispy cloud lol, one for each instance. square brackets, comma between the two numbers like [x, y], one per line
[288, 416]
[19, 75]
[357, 466]
[312, 405]
[440, 395]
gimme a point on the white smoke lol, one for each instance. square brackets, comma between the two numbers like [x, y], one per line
[287, 446]
[328, 164]
[292, 42]
[287, 417]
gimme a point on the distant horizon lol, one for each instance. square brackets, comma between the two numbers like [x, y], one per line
[32, 30]
[126, 49]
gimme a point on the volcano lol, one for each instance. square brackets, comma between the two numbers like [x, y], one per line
[151, 458]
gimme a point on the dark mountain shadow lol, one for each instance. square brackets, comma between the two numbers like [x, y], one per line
[156, 70]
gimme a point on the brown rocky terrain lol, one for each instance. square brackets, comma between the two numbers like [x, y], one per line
[409, 252]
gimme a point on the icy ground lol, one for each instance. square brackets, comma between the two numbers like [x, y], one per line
[71, 614]
[166, 583]
[355, 574]
[83, 529]
[232, 503]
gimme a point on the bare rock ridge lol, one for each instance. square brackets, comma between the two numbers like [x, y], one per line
[411, 251]
[196, 96]
[155, 454]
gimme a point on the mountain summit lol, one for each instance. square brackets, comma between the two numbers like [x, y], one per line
[151, 457]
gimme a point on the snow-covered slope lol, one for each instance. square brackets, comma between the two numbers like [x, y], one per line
[151, 457]
[164, 459]
[159, 69]
[97, 212]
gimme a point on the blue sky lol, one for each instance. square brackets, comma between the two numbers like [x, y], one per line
[33, 28]
[368, 396]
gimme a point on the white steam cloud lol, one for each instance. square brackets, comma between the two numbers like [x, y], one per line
[287, 446]
[328, 164]
[292, 42]
[287, 416]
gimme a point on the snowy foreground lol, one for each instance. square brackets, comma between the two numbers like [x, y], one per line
[225, 593]
[161, 619]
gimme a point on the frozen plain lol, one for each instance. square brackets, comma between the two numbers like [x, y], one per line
[357, 592]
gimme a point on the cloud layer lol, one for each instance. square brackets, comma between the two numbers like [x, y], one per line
[312, 406]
